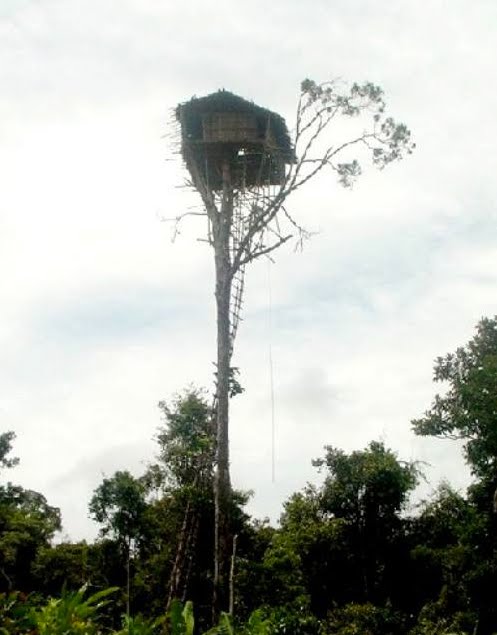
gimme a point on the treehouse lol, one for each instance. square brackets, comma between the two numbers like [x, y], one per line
[222, 130]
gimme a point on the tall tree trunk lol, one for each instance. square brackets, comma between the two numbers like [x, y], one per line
[179, 560]
[232, 578]
[222, 483]
[190, 555]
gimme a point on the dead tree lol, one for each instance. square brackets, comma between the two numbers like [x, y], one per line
[244, 165]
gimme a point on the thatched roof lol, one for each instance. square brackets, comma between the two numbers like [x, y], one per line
[190, 114]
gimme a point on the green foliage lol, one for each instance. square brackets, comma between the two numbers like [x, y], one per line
[258, 624]
[283, 571]
[180, 486]
[119, 505]
[145, 516]
[363, 619]
[63, 565]
[6, 439]
[453, 564]
[468, 408]
[345, 559]
[343, 542]
[234, 382]
[140, 626]
[436, 618]
[188, 618]
[180, 619]
[367, 490]
[262, 622]
[27, 523]
[387, 141]
[290, 618]
[225, 626]
[440, 552]
[366, 486]
[458, 545]
[186, 441]
[16, 613]
[71, 614]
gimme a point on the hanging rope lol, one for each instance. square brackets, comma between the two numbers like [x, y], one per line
[271, 374]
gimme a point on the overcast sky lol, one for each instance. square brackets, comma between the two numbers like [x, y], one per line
[102, 315]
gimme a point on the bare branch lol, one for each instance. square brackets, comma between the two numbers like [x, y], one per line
[310, 143]
[180, 217]
[319, 113]
[266, 250]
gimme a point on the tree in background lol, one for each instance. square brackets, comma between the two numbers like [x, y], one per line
[183, 478]
[443, 556]
[66, 565]
[344, 541]
[186, 441]
[6, 439]
[27, 523]
[167, 513]
[345, 560]
[185, 470]
[368, 489]
[119, 505]
[468, 408]
[467, 411]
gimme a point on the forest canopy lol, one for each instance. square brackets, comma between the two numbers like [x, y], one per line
[350, 555]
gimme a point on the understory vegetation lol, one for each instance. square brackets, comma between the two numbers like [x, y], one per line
[349, 557]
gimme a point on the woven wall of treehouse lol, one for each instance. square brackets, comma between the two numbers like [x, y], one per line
[224, 127]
